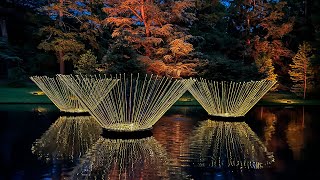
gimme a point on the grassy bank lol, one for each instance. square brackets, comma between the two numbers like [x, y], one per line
[31, 94]
[28, 94]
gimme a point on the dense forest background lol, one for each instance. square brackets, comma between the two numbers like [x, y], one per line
[238, 40]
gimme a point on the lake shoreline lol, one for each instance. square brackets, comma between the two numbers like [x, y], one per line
[31, 94]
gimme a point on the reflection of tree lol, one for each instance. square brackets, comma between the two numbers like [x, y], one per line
[270, 120]
[68, 138]
[221, 144]
[123, 159]
[295, 133]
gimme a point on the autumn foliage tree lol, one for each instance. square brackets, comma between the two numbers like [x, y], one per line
[268, 47]
[262, 27]
[301, 72]
[155, 31]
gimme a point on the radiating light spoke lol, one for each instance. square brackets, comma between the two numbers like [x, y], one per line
[229, 99]
[134, 103]
[58, 93]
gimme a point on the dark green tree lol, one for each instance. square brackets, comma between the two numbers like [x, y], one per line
[74, 29]
[121, 58]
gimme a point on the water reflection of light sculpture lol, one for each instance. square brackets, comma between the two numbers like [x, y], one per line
[229, 99]
[68, 138]
[123, 159]
[220, 145]
[134, 103]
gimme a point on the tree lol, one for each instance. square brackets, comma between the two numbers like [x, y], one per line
[10, 55]
[221, 68]
[265, 66]
[121, 58]
[86, 63]
[262, 27]
[75, 29]
[157, 30]
[268, 44]
[300, 72]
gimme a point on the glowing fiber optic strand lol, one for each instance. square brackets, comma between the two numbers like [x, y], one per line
[229, 99]
[58, 93]
[89, 89]
[123, 159]
[221, 144]
[67, 139]
[133, 104]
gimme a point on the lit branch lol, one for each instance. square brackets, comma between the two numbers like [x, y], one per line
[229, 99]
[133, 103]
[68, 138]
[221, 144]
[123, 159]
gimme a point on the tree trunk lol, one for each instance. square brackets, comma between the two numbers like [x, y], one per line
[60, 53]
[4, 32]
[145, 19]
[146, 25]
[305, 80]
[61, 63]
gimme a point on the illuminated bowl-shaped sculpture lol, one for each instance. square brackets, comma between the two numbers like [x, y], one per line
[68, 138]
[229, 99]
[134, 103]
[220, 145]
[123, 159]
[58, 93]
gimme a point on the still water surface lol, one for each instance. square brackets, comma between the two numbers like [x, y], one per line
[276, 142]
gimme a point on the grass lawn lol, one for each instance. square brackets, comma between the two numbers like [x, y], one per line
[286, 98]
[271, 98]
[31, 94]
[22, 95]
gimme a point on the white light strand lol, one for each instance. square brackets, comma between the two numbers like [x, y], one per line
[133, 103]
[123, 159]
[221, 144]
[89, 89]
[58, 93]
[229, 99]
[68, 138]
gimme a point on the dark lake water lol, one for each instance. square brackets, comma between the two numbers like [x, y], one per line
[276, 142]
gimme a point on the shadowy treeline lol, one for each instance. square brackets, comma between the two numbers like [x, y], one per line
[219, 40]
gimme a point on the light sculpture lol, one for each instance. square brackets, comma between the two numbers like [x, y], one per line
[58, 93]
[68, 138]
[221, 144]
[123, 159]
[133, 104]
[229, 99]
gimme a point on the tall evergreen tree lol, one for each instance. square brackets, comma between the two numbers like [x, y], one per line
[301, 72]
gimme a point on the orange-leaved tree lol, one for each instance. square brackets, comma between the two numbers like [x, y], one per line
[157, 30]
